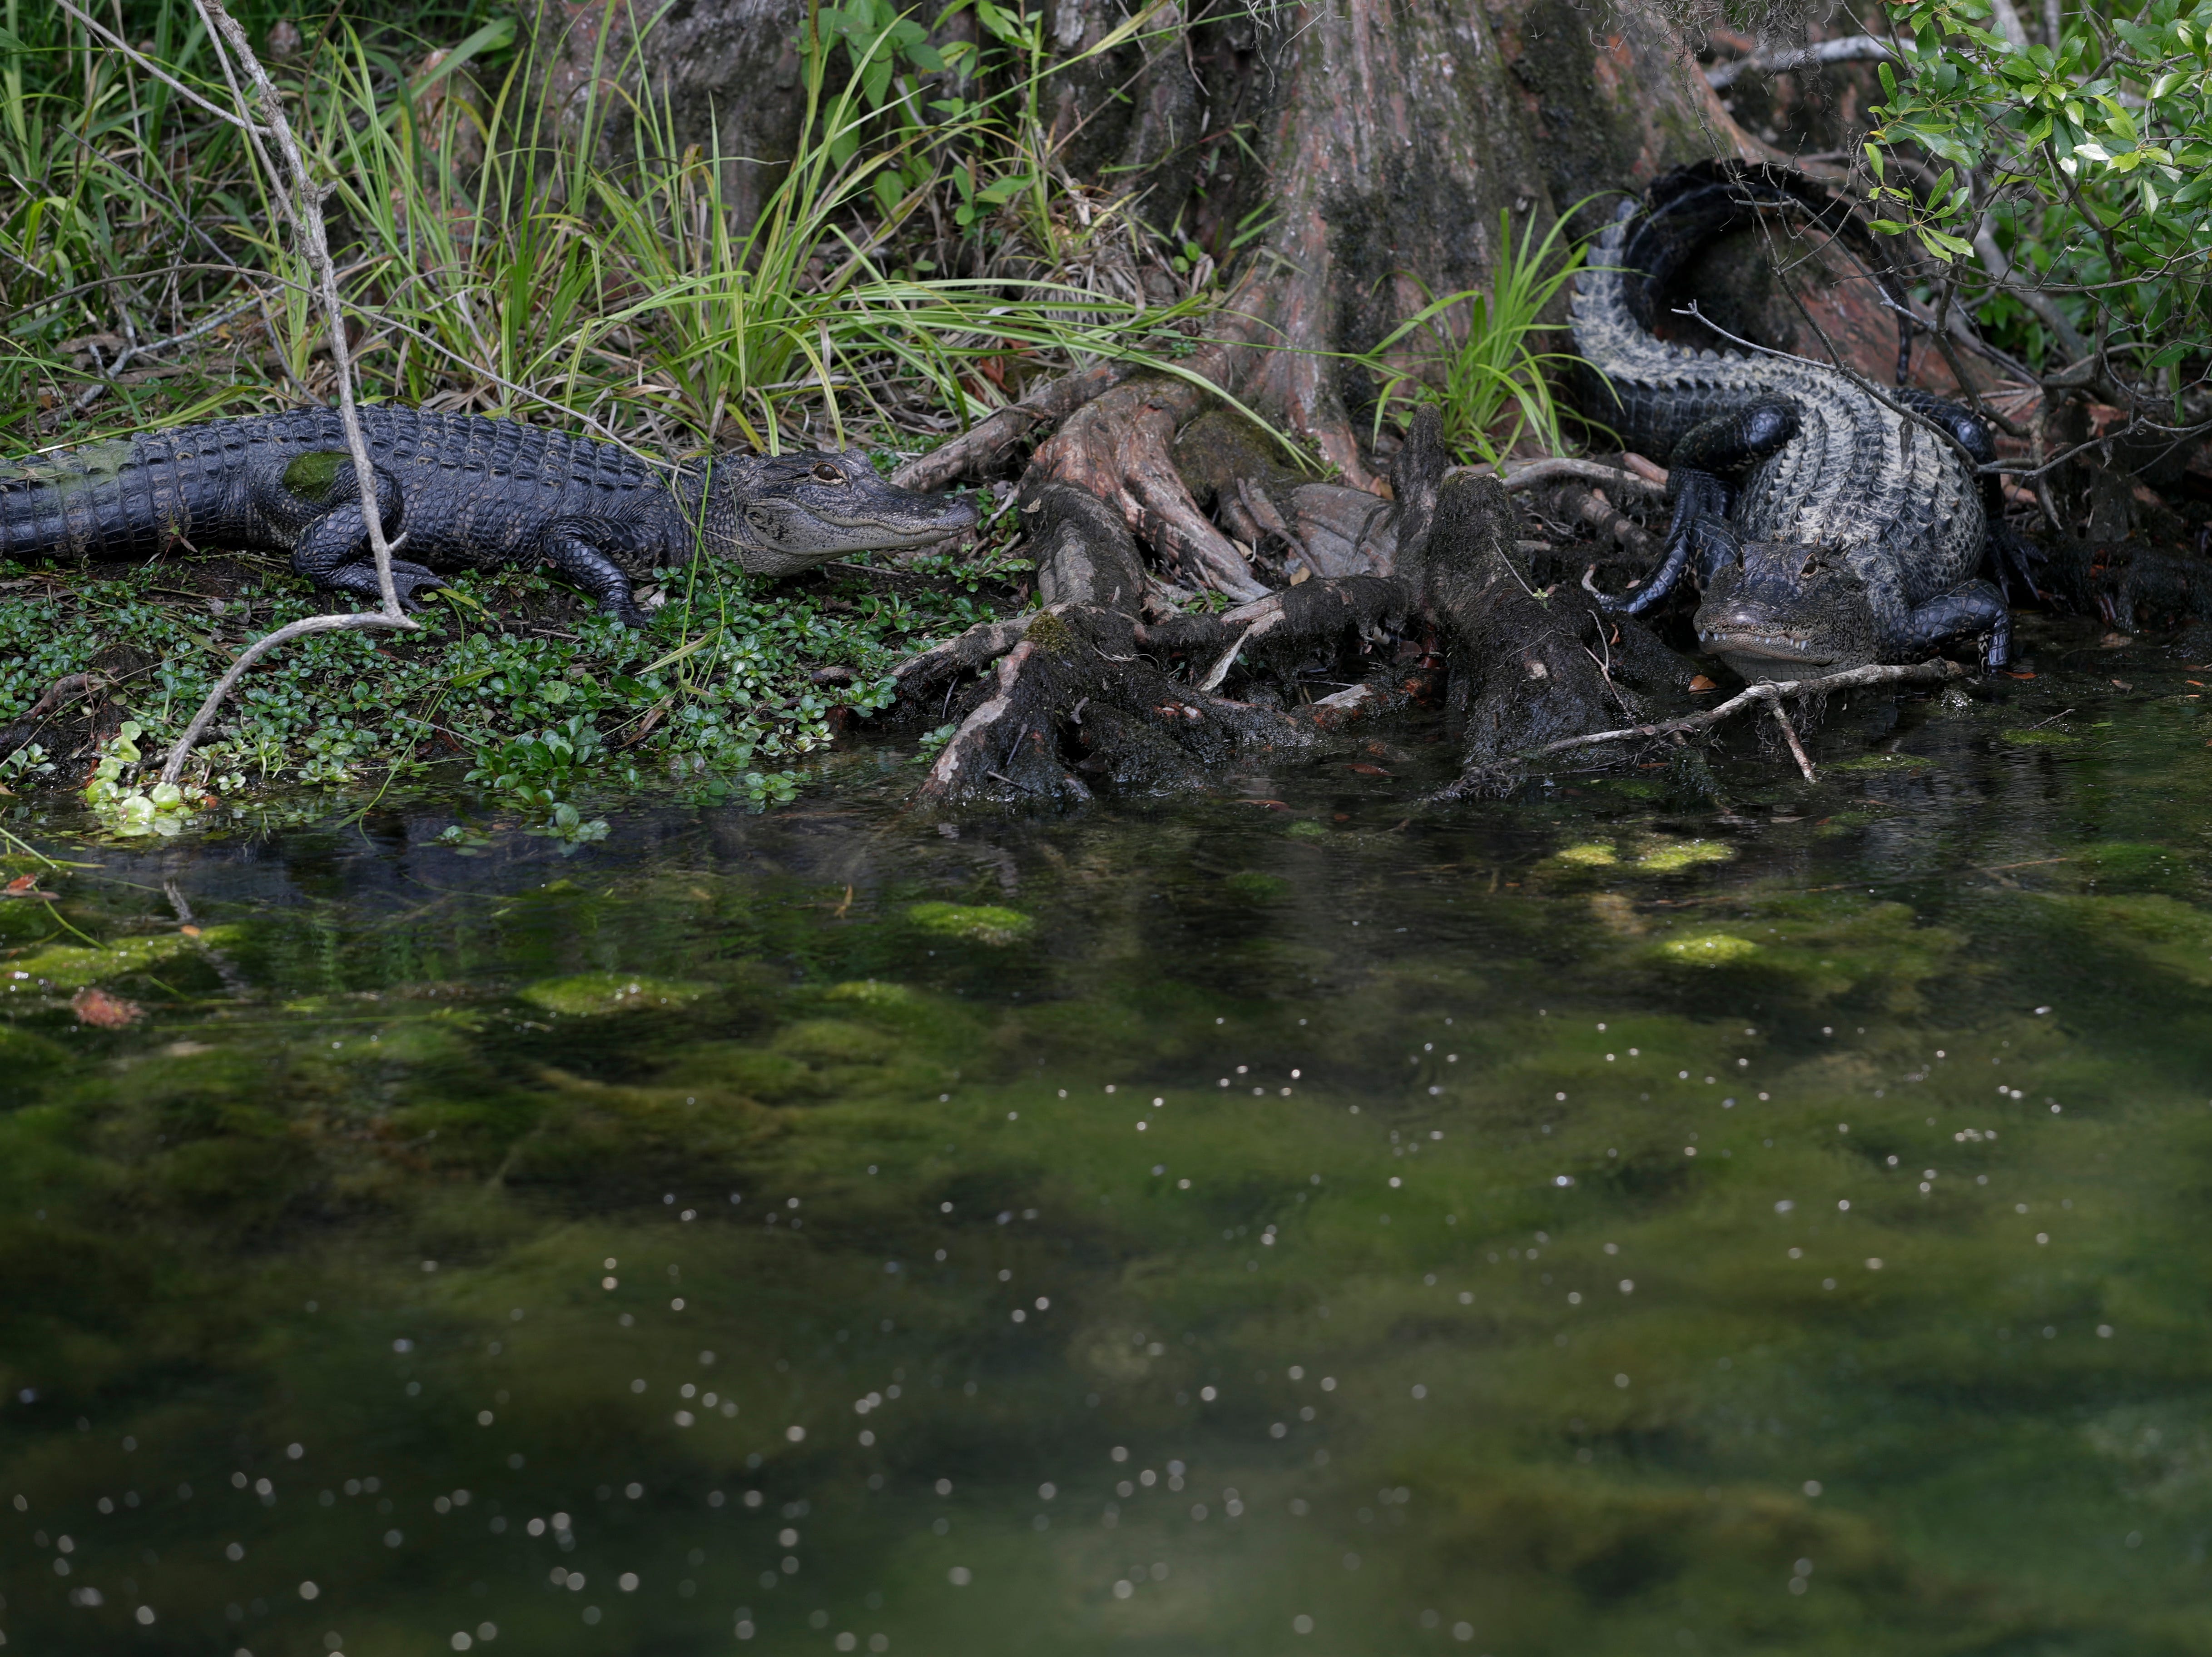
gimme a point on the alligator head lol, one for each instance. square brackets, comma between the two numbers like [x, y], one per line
[1784, 608]
[789, 512]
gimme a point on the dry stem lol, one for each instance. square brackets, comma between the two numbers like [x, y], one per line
[313, 244]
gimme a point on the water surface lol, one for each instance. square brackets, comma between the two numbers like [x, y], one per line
[1623, 1219]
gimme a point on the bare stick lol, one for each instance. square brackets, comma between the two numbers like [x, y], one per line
[151, 66]
[1768, 691]
[1790, 734]
[1853, 49]
[312, 243]
[1551, 471]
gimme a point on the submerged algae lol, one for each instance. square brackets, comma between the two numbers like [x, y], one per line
[590, 994]
[71, 966]
[1495, 1273]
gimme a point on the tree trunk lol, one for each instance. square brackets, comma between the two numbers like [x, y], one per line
[1386, 147]
[725, 74]
[1398, 141]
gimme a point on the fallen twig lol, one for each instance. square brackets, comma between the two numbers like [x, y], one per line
[304, 206]
[68, 685]
[1771, 692]
[1595, 471]
[113, 371]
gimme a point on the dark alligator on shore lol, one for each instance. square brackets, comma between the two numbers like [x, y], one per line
[467, 492]
[1826, 524]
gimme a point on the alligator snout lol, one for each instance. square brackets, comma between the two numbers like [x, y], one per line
[1786, 604]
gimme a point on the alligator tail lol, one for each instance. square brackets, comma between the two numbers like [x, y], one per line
[127, 498]
[1618, 290]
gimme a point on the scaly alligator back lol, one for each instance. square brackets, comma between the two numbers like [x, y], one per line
[473, 490]
[127, 498]
[1896, 501]
[467, 494]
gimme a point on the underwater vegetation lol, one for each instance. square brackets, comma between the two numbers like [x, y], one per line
[1599, 1224]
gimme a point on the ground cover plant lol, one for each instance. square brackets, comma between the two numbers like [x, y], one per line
[486, 272]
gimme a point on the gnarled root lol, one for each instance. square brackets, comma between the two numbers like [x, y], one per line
[1081, 692]
[1084, 690]
[1120, 446]
[1526, 666]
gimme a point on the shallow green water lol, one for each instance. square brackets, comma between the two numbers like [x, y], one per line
[1612, 1221]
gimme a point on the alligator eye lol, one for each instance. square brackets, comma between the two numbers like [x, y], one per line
[1811, 564]
[826, 474]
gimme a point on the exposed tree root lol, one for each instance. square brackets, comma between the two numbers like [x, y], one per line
[1120, 446]
[986, 449]
[1087, 691]
[1081, 692]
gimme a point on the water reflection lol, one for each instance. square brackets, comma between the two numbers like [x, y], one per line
[1616, 1221]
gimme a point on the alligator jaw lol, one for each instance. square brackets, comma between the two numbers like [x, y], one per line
[916, 520]
[1757, 646]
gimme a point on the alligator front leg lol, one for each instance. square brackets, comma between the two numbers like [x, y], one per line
[1709, 455]
[331, 553]
[569, 551]
[1971, 609]
[2010, 557]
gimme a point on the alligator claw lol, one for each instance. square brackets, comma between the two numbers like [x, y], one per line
[408, 579]
[2013, 558]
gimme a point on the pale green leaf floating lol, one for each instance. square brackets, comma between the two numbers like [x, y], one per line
[983, 923]
[1709, 949]
[1683, 854]
[590, 994]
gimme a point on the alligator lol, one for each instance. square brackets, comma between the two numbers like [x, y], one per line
[465, 491]
[1827, 523]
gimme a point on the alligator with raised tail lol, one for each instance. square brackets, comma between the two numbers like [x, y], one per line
[1826, 524]
[466, 493]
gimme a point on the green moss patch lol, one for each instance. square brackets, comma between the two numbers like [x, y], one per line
[1595, 854]
[983, 923]
[1708, 949]
[69, 966]
[1884, 762]
[587, 995]
[1684, 855]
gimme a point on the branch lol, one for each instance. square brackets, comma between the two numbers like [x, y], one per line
[2000, 269]
[1553, 470]
[1853, 49]
[1767, 692]
[153, 68]
[312, 243]
[340, 622]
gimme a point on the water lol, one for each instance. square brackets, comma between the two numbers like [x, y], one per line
[1288, 1222]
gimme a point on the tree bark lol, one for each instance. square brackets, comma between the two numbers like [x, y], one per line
[1383, 150]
